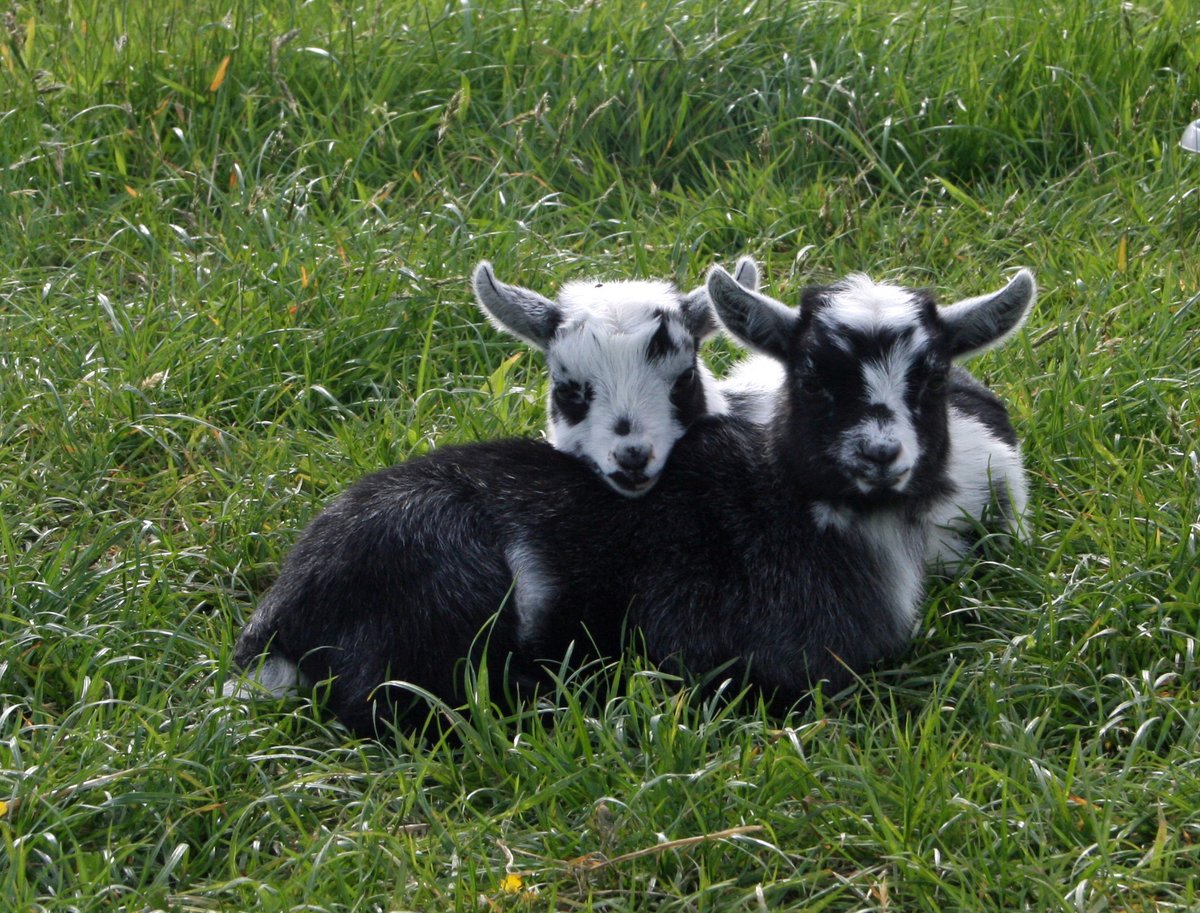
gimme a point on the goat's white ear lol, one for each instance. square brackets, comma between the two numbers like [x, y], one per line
[697, 308]
[977, 324]
[516, 310]
[758, 322]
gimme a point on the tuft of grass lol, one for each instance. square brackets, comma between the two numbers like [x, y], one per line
[234, 277]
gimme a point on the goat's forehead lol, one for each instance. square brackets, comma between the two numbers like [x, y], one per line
[593, 348]
[614, 327]
[887, 350]
[891, 363]
[628, 306]
[859, 306]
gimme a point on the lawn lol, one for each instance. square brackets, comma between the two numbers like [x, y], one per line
[235, 249]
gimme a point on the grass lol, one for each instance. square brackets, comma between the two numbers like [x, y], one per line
[233, 277]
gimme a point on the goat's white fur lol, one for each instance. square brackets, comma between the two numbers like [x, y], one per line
[982, 467]
[275, 677]
[533, 585]
[864, 305]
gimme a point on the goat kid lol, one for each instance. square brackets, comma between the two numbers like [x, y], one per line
[625, 382]
[989, 488]
[625, 385]
[791, 552]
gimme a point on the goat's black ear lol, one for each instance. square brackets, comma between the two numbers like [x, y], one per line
[976, 324]
[756, 321]
[697, 308]
[516, 310]
[698, 317]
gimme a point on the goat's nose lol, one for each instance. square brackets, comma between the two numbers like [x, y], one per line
[881, 453]
[634, 457]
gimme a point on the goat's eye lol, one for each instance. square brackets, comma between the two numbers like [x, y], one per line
[570, 401]
[935, 382]
[571, 393]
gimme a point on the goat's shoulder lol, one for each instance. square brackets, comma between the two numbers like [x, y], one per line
[725, 479]
[721, 456]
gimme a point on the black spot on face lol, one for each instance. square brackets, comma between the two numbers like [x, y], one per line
[879, 412]
[570, 401]
[661, 344]
[829, 375]
[811, 389]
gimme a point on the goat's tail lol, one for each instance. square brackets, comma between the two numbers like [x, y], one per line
[260, 672]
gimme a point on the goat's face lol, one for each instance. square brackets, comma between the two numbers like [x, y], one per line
[625, 382]
[867, 381]
[864, 415]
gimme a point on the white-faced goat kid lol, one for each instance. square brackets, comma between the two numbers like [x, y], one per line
[786, 554]
[625, 382]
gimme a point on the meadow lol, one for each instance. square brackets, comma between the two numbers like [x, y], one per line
[235, 248]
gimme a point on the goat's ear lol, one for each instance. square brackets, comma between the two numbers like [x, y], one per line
[758, 322]
[976, 324]
[516, 310]
[746, 273]
[697, 308]
[697, 312]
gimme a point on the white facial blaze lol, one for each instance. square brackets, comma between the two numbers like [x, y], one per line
[885, 385]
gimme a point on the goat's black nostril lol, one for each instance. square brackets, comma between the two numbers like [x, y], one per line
[633, 458]
[622, 427]
[882, 453]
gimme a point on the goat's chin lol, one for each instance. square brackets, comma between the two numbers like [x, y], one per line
[631, 488]
[874, 487]
[623, 483]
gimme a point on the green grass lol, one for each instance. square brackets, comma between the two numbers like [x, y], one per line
[227, 290]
